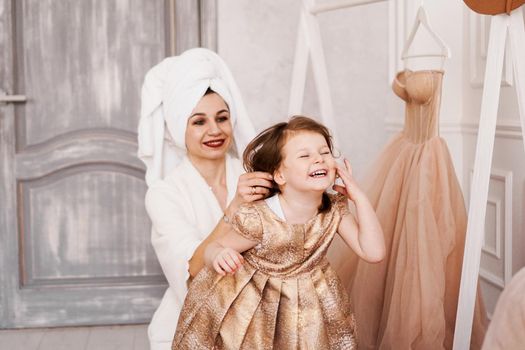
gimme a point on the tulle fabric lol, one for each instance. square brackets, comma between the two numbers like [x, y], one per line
[507, 328]
[409, 300]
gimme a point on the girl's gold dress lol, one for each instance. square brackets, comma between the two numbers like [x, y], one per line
[285, 296]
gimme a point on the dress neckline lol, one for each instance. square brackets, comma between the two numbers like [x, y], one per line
[274, 206]
[414, 72]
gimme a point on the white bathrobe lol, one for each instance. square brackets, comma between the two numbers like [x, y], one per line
[181, 206]
[184, 211]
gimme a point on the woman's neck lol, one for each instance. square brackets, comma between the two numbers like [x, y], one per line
[212, 170]
[298, 206]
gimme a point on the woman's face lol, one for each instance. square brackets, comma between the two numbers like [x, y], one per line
[209, 130]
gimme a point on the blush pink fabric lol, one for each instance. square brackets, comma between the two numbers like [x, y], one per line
[409, 300]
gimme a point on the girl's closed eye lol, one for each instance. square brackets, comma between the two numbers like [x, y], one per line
[325, 150]
[304, 156]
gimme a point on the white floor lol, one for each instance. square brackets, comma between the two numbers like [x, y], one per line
[132, 337]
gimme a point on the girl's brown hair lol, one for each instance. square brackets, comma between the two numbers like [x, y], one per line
[264, 153]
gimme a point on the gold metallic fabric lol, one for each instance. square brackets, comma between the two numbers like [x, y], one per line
[285, 296]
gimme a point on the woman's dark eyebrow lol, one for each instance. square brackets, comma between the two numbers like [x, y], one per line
[198, 114]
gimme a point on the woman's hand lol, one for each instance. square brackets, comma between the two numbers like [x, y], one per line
[250, 187]
[227, 260]
[350, 188]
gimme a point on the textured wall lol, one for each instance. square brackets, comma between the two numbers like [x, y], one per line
[257, 39]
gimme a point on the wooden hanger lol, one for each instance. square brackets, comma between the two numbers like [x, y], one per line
[421, 19]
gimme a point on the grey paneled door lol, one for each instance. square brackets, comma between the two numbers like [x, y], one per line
[74, 236]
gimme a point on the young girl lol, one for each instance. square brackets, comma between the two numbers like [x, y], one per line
[268, 283]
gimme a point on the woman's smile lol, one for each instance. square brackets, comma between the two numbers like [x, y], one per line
[216, 143]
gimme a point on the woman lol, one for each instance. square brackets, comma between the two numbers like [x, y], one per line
[193, 124]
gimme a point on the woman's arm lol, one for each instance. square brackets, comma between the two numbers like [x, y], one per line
[250, 187]
[196, 262]
[365, 235]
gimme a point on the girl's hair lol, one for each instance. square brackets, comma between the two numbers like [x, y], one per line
[264, 153]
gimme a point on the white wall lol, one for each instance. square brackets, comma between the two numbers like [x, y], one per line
[257, 39]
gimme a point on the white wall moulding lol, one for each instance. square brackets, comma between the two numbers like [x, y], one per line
[505, 128]
[501, 199]
[497, 269]
[506, 176]
[492, 245]
[491, 278]
[444, 127]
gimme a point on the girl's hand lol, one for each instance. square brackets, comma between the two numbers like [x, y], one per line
[251, 187]
[350, 188]
[227, 261]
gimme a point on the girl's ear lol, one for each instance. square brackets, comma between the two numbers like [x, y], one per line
[279, 178]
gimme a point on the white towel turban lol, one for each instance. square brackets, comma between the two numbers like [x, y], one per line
[170, 91]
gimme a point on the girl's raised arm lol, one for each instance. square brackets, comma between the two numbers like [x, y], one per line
[365, 235]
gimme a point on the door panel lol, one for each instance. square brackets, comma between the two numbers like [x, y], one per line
[62, 244]
[99, 48]
[75, 238]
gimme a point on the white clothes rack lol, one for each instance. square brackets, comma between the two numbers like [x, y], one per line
[500, 26]
[309, 45]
